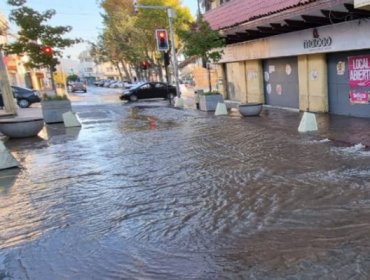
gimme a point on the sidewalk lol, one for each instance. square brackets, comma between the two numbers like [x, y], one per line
[342, 130]
[32, 112]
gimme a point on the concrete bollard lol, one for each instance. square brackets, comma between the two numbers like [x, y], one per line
[70, 119]
[179, 102]
[221, 109]
[308, 122]
[6, 158]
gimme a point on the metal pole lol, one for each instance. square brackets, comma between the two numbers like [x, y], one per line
[170, 13]
[6, 91]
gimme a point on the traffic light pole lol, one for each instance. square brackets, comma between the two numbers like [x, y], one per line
[170, 14]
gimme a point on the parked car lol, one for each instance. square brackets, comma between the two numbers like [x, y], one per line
[149, 90]
[78, 86]
[98, 82]
[127, 85]
[116, 84]
[25, 96]
[108, 83]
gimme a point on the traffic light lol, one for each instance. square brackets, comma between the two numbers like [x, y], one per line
[162, 39]
[144, 65]
[136, 7]
[47, 50]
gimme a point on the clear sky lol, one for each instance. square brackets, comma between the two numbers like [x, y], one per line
[82, 15]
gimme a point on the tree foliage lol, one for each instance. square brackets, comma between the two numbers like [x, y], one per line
[34, 33]
[72, 78]
[130, 36]
[202, 41]
[122, 40]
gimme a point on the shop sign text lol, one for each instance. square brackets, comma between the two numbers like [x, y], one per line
[317, 41]
[359, 97]
[359, 71]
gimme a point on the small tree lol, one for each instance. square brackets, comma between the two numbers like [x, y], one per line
[72, 78]
[203, 42]
[41, 42]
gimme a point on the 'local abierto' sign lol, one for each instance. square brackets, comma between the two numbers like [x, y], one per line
[359, 71]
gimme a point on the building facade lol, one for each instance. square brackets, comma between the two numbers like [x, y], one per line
[306, 55]
[18, 73]
[86, 67]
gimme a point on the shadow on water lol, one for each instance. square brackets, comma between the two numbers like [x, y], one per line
[344, 131]
[50, 134]
[56, 133]
[7, 179]
[18, 144]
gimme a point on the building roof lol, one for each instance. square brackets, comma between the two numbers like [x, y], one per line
[237, 12]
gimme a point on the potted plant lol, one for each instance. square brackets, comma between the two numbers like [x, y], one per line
[53, 107]
[208, 100]
[250, 109]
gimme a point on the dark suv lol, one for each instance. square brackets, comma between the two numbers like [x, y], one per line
[25, 96]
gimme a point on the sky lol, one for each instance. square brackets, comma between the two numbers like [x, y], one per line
[82, 15]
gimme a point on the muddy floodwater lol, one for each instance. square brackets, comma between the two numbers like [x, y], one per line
[146, 191]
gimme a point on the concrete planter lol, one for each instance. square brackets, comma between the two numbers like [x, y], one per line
[21, 127]
[250, 109]
[60, 91]
[53, 110]
[209, 102]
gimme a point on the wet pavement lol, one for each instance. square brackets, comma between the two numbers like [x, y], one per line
[148, 191]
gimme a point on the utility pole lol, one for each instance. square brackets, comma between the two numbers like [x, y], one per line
[6, 91]
[170, 13]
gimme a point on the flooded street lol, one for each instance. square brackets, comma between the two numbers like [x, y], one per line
[147, 191]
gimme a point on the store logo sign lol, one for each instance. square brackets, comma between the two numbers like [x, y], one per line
[317, 41]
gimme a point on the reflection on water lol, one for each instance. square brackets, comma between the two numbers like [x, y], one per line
[52, 131]
[197, 197]
[140, 121]
[7, 179]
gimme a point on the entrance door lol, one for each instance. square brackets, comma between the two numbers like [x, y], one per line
[338, 86]
[281, 82]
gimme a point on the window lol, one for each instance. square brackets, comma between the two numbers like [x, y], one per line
[146, 86]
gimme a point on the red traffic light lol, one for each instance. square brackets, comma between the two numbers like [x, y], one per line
[144, 65]
[47, 50]
[162, 39]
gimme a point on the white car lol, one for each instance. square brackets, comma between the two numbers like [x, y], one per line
[117, 84]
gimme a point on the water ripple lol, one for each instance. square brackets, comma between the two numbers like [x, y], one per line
[158, 193]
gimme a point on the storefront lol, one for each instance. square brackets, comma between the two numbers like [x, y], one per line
[309, 70]
[349, 83]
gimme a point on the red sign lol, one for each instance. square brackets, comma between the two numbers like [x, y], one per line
[359, 71]
[359, 97]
